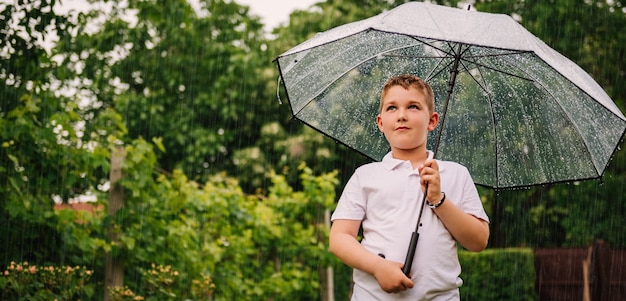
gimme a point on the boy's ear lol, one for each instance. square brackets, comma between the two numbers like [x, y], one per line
[434, 120]
[379, 122]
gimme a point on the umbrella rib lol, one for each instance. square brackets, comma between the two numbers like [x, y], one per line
[548, 91]
[356, 65]
[495, 138]
[432, 73]
[415, 56]
[483, 86]
[462, 62]
[385, 53]
[500, 54]
[494, 69]
[450, 54]
[569, 119]
[462, 59]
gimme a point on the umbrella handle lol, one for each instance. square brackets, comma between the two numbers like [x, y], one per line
[408, 261]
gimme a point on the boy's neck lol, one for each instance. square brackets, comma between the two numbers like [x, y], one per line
[415, 156]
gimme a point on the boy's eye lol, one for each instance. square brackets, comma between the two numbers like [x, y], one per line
[413, 107]
[391, 108]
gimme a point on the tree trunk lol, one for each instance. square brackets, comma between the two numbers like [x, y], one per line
[326, 273]
[114, 267]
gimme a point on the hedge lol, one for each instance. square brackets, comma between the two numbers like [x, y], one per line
[498, 274]
[493, 274]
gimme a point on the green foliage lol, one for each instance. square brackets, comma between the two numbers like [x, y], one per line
[81, 234]
[563, 215]
[493, 274]
[159, 284]
[598, 217]
[39, 129]
[342, 276]
[251, 246]
[498, 274]
[200, 87]
[47, 149]
[176, 75]
[22, 281]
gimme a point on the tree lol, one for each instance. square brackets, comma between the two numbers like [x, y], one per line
[195, 79]
[248, 247]
[46, 151]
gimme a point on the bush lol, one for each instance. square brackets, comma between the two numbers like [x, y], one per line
[21, 281]
[498, 274]
[160, 283]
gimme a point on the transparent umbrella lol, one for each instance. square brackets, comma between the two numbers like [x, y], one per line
[514, 111]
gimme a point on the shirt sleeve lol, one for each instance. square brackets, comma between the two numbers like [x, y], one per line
[352, 203]
[472, 203]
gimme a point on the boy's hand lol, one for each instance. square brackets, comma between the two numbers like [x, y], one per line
[391, 278]
[429, 176]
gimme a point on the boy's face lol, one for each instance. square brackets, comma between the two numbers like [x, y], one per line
[405, 118]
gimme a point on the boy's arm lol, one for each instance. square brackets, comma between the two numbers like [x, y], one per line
[344, 245]
[471, 232]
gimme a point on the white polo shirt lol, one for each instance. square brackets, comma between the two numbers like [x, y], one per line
[386, 196]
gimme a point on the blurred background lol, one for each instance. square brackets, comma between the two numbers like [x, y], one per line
[148, 151]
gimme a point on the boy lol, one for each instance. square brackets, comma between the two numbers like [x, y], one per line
[385, 198]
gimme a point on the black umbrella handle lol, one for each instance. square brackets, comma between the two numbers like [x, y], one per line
[408, 261]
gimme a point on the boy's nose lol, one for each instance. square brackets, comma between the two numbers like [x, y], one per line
[401, 115]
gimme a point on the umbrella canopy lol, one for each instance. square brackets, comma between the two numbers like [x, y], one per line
[514, 111]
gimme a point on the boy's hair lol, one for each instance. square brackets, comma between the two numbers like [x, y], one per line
[406, 81]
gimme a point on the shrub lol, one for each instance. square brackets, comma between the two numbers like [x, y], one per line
[161, 283]
[21, 281]
[498, 274]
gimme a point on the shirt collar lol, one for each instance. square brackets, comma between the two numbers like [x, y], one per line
[390, 162]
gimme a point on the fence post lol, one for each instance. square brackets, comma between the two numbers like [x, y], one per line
[586, 282]
[114, 267]
[600, 263]
[326, 273]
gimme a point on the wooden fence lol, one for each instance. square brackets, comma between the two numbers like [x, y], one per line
[597, 273]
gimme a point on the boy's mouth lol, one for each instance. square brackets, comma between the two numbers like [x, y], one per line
[401, 128]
